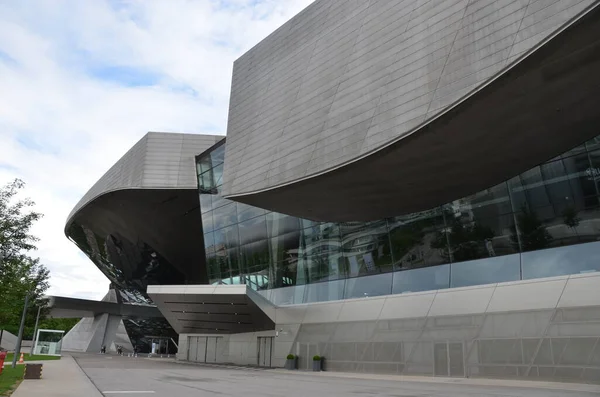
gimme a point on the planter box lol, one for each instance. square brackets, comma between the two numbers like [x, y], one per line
[316, 366]
[291, 363]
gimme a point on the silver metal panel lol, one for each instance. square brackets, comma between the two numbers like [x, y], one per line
[158, 161]
[344, 79]
[555, 344]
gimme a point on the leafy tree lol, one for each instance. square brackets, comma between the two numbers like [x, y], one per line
[64, 324]
[20, 274]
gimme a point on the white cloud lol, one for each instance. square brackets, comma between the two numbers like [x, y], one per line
[82, 81]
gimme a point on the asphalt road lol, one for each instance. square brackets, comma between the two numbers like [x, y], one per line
[123, 376]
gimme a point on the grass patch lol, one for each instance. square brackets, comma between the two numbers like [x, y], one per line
[27, 357]
[10, 379]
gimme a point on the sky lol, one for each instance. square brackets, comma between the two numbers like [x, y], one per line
[82, 80]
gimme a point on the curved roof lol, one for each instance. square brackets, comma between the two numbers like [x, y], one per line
[157, 161]
[347, 82]
[140, 223]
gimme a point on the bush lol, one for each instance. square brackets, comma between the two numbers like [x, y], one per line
[317, 358]
[291, 357]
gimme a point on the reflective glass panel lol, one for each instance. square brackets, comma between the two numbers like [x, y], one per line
[285, 247]
[226, 237]
[278, 224]
[255, 257]
[583, 224]
[225, 215]
[284, 273]
[217, 156]
[209, 243]
[218, 175]
[426, 279]
[207, 222]
[218, 201]
[318, 268]
[471, 238]
[415, 240]
[582, 258]
[486, 271]
[550, 209]
[205, 202]
[253, 230]
[306, 223]
[486, 203]
[288, 295]
[364, 287]
[322, 292]
[366, 248]
[206, 182]
[246, 212]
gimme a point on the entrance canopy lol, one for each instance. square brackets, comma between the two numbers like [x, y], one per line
[210, 309]
[64, 307]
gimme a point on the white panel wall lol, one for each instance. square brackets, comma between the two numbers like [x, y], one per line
[515, 313]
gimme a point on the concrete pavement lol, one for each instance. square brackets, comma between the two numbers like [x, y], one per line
[86, 374]
[60, 378]
[163, 378]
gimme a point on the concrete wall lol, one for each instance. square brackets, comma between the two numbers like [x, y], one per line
[539, 329]
[9, 342]
[91, 333]
[345, 78]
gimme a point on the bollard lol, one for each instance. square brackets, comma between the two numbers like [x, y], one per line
[33, 371]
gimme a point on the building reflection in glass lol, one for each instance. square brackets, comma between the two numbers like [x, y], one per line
[492, 236]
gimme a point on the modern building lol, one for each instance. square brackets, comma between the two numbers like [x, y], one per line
[406, 187]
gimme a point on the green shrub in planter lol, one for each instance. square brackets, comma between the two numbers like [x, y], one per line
[317, 363]
[291, 362]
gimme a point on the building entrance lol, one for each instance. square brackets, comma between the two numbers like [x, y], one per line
[265, 351]
[203, 349]
[449, 359]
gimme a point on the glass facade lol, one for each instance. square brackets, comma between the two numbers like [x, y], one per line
[543, 222]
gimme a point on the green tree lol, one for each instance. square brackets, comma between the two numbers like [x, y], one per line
[64, 324]
[20, 274]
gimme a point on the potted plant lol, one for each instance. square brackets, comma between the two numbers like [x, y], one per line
[317, 363]
[291, 362]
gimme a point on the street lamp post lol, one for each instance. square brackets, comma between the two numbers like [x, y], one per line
[21, 329]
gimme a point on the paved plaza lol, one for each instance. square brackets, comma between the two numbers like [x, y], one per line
[98, 375]
[115, 376]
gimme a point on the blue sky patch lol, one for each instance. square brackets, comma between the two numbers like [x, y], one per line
[125, 75]
[29, 141]
[7, 59]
